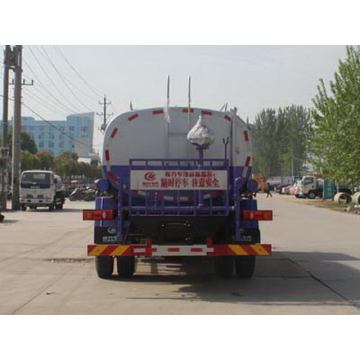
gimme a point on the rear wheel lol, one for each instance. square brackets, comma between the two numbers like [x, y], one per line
[104, 266]
[126, 266]
[224, 266]
[23, 207]
[245, 266]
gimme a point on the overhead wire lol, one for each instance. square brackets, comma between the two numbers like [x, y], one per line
[44, 88]
[41, 101]
[93, 89]
[72, 107]
[63, 79]
[90, 97]
[49, 122]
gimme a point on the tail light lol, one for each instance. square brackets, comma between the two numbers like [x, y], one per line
[98, 215]
[266, 215]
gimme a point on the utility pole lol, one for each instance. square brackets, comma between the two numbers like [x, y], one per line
[104, 114]
[7, 55]
[8, 59]
[16, 129]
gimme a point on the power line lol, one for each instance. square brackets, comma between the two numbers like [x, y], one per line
[93, 89]
[55, 84]
[41, 101]
[49, 122]
[91, 97]
[62, 105]
[52, 81]
[63, 79]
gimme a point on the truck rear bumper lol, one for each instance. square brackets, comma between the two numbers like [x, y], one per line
[149, 250]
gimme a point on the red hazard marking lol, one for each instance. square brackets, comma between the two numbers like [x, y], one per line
[206, 112]
[158, 112]
[107, 155]
[227, 117]
[115, 130]
[250, 250]
[246, 136]
[109, 250]
[153, 249]
[248, 160]
[91, 248]
[173, 249]
[186, 110]
[197, 250]
[133, 117]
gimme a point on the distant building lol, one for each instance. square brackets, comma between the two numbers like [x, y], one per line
[74, 134]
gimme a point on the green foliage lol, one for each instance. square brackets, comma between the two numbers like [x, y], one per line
[27, 143]
[29, 161]
[280, 140]
[46, 160]
[336, 123]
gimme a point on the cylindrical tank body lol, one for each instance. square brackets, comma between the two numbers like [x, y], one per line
[159, 133]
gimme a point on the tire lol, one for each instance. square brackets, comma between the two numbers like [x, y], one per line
[245, 266]
[51, 207]
[224, 266]
[59, 207]
[104, 266]
[311, 195]
[23, 207]
[126, 266]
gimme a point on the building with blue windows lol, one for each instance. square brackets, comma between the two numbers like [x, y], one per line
[74, 134]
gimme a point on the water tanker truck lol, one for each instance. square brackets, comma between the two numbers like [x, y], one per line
[177, 183]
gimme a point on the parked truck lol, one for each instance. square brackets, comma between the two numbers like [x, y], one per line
[309, 187]
[40, 188]
[177, 183]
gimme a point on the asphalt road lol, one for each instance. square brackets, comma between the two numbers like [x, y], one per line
[315, 269]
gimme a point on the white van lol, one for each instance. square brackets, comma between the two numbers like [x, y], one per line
[40, 188]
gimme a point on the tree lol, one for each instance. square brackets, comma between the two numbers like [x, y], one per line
[26, 142]
[336, 122]
[29, 161]
[46, 160]
[68, 155]
[280, 140]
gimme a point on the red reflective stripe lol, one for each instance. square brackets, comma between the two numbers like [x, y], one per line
[246, 136]
[107, 155]
[197, 250]
[115, 130]
[133, 117]
[173, 249]
[227, 117]
[158, 112]
[255, 215]
[206, 112]
[186, 110]
[109, 250]
[88, 215]
[249, 250]
[98, 215]
[248, 160]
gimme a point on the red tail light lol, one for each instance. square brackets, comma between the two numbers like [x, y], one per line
[266, 215]
[98, 215]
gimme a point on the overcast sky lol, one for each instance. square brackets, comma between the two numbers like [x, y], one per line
[249, 77]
